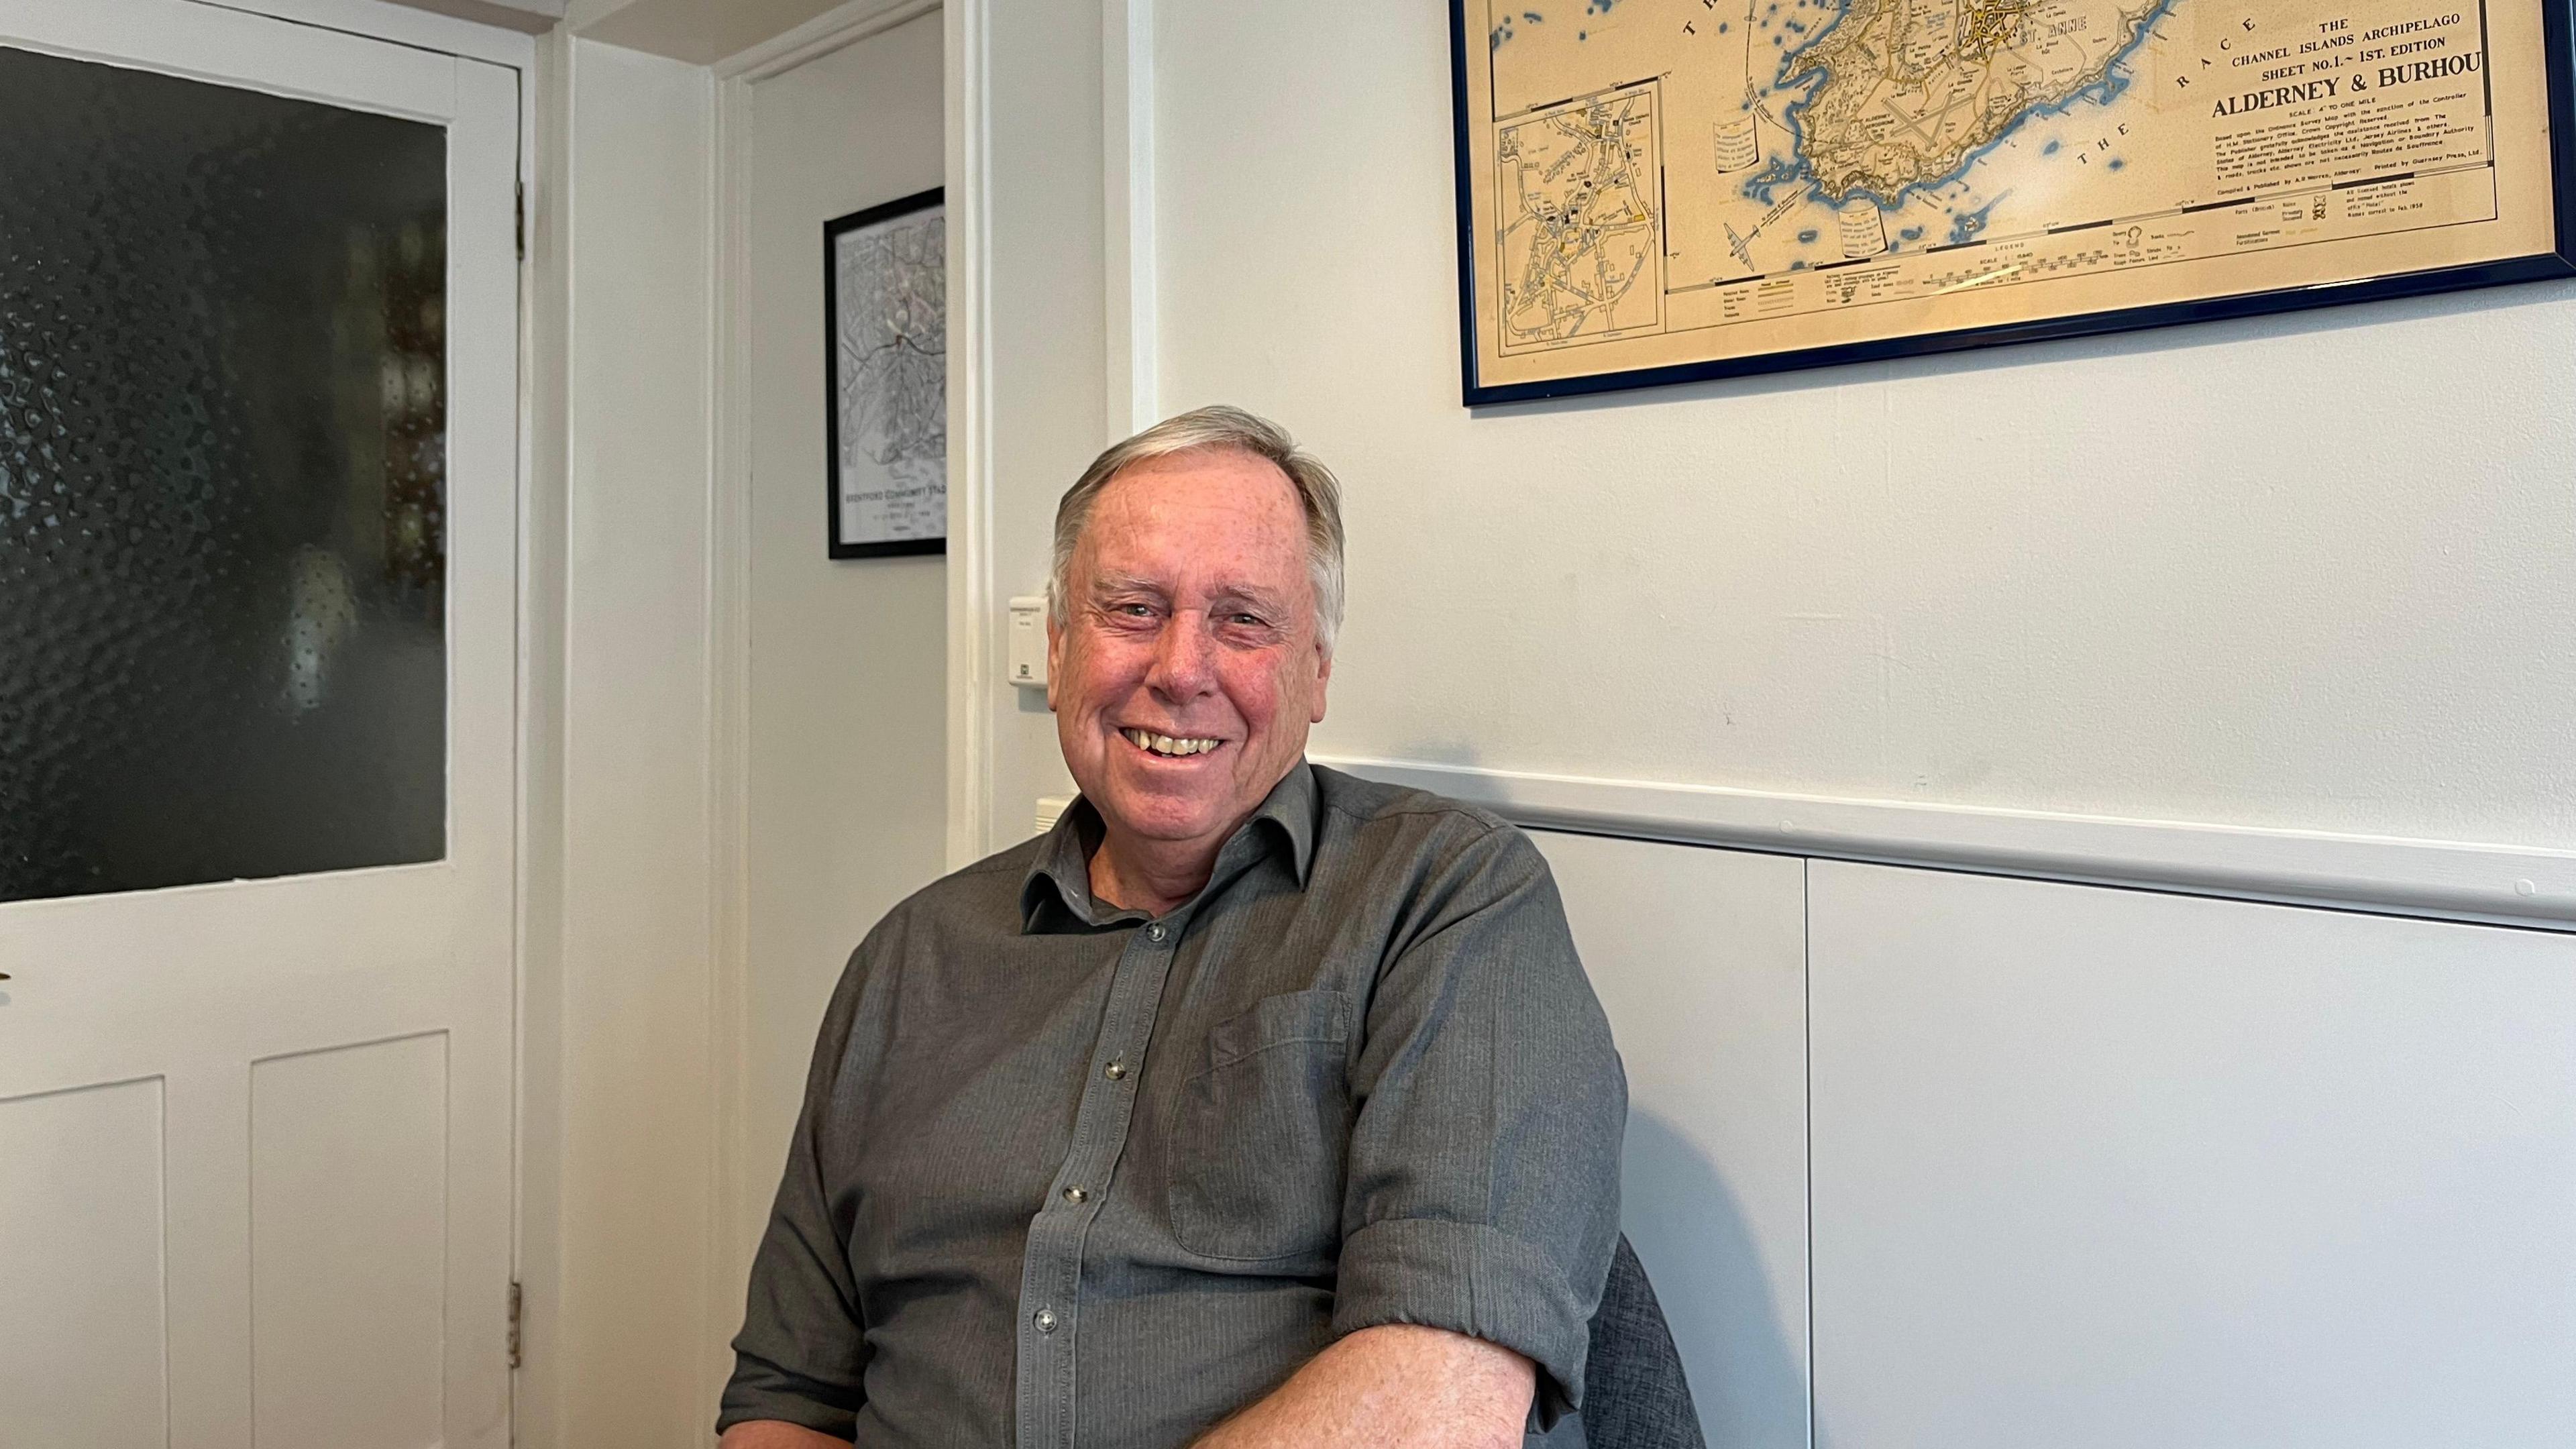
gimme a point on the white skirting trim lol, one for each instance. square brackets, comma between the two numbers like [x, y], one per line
[2450, 879]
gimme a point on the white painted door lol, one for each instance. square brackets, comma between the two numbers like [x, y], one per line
[258, 340]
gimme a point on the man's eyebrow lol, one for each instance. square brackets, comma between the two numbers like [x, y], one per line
[1108, 586]
[1261, 599]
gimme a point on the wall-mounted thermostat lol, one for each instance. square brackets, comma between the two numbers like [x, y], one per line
[1027, 664]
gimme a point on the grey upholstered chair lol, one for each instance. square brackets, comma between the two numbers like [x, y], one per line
[1634, 1395]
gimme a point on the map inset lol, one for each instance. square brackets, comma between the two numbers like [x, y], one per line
[1661, 182]
[890, 289]
[1581, 239]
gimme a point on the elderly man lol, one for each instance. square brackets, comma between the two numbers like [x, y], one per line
[1252, 1105]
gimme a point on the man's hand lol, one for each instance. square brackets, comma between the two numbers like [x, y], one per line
[775, 1434]
[1398, 1386]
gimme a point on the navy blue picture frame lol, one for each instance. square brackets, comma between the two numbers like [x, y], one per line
[2558, 22]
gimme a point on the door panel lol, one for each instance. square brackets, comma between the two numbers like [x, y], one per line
[348, 1261]
[80, 1267]
[317, 502]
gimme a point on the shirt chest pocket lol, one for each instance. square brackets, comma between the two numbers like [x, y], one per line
[1261, 1132]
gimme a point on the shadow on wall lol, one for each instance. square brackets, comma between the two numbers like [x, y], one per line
[1690, 1232]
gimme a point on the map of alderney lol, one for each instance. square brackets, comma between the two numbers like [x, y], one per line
[1901, 94]
[1657, 183]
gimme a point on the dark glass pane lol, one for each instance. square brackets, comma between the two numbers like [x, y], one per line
[222, 483]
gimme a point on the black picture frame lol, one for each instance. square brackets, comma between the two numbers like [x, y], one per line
[833, 231]
[2558, 21]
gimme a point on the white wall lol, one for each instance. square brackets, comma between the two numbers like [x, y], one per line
[2214, 574]
[848, 709]
[620, 1120]
[1046, 356]
[2308, 571]
[1700, 960]
[662, 1068]
[2304, 574]
[1941, 1159]
[2119, 1168]
[2207, 574]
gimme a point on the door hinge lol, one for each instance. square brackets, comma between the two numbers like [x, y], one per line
[518, 1308]
[523, 224]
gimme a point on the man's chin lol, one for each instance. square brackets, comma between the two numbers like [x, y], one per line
[1157, 817]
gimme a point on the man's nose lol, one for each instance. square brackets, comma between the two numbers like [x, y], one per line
[1183, 664]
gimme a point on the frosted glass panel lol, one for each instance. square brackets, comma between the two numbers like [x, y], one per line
[222, 483]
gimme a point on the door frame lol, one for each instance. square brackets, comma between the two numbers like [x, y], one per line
[741, 1187]
[405, 25]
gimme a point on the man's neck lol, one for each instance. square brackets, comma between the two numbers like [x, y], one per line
[1153, 876]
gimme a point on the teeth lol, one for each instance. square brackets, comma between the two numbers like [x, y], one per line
[1167, 744]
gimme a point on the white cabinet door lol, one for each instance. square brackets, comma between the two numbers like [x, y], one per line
[2101, 1167]
[258, 341]
[1699, 957]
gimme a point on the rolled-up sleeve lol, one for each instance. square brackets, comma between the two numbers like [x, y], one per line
[802, 1352]
[1483, 1191]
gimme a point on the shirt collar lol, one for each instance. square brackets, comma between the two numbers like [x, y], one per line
[1061, 873]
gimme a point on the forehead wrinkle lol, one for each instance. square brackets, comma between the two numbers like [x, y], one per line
[1174, 488]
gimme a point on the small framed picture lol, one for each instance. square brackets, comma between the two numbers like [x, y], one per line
[885, 301]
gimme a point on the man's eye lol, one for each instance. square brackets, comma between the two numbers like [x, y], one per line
[1134, 611]
[1249, 621]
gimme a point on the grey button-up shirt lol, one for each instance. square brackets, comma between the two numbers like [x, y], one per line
[1069, 1175]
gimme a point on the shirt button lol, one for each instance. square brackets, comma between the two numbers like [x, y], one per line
[1045, 1320]
[1076, 1195]
[1115, 1071]
[1155, 932]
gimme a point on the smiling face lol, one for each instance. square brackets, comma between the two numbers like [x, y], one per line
[1187, 668]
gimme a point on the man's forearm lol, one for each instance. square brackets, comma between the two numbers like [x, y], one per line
[1398, 1386]
[777, 1434]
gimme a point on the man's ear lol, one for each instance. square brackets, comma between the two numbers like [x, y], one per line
[1323, 680]
[1055, 657]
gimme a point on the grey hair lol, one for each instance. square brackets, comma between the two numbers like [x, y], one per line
[1228, 429]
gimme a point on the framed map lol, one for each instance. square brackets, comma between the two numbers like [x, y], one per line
[1655, 191]
[885, 298]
